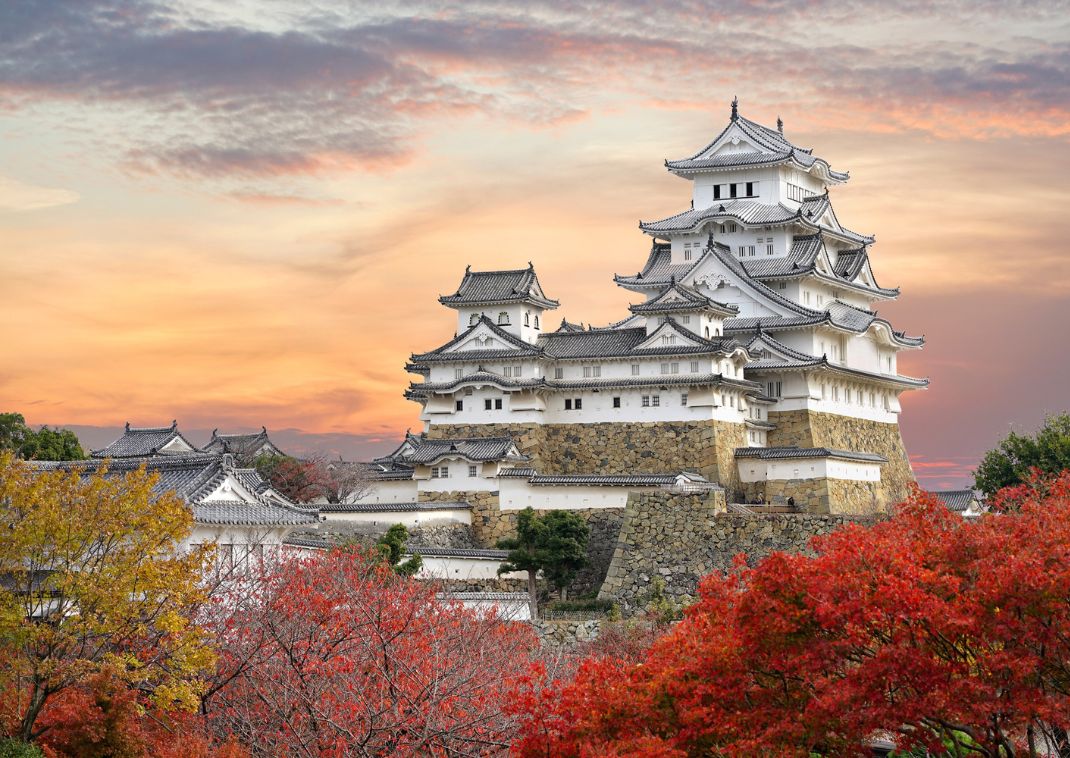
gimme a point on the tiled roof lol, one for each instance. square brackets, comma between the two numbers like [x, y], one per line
[619, 343]
[677, 298]
[772, 146]
[791, 452]
[196, 477]
[850, 317]
[956, 500]
[480, 376]
[457, 552]
[240, 444]
[421, 450]
[518, 348]
[499, 287]
[567, 326]
[306, 541]
[611, 480]
[137, 442]
[394, 507]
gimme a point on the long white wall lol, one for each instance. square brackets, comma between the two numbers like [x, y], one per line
[410, 518]
[458, 568]
[517, 494]
[755, 470]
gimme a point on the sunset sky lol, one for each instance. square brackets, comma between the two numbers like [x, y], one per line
[242, 213]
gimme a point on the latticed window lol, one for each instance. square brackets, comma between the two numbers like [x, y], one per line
[503, 318]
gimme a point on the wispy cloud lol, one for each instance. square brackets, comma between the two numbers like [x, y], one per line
[21, 196]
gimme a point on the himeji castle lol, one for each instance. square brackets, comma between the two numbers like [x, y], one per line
[753, 357]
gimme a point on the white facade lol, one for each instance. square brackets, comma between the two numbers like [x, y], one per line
[755, 470]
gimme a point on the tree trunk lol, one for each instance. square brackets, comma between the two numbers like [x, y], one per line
[533, 596]
[564, 593]
[33, 709]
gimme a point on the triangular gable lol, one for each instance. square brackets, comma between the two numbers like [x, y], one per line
[231, 488]
[176, 444]
[735, 139]
[714, 272]
[669, 334]
[483, 337]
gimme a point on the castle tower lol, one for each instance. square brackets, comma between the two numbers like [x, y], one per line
[756, 358]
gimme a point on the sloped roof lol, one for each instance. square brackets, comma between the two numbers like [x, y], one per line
[499, 287]
[518, 347]
[196, 477]
[956, 500]
[792, 452]
[240, 444]
[406, 507]
[418, 449]
[678, 298]
[771, 147]
[143, 441]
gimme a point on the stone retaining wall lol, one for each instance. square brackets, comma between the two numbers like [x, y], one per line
[621, 448]
[810, 429]
[680, 538]
[564, 632]
[836, 496]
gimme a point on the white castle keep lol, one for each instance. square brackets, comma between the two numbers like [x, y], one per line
[756, 357]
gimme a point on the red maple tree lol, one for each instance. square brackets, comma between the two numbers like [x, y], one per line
[946, 634]
[336, 654]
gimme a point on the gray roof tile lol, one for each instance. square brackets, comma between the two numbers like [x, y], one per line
[498, 287]
[791, 452]
[137, 442]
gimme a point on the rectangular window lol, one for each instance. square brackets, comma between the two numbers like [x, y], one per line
[717, 192]
[750, 189]
[458, 373]
[518, 371]
[683, 398]
[459, 405]
[733, 190]
[592, 372]
[471, 471]
[498, 404]
[674, 368]
[732, 400]
[579, 404]
[742, 251]
[635, 369]
[694, 367]
[646, 401]
[655, 400]
[508, 371]
[774, 389]
[616, 402]
[806, 298]
[669, 339]
[685, 319]
[487, 404]
[559, 373]
[665, 368]
[769, 248]
[440, 472]
[568, 404]
[750, 250]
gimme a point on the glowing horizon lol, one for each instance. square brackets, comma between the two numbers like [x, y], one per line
[243, 215]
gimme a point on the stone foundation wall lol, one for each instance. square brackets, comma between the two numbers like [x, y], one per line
[810, 429]
[621, 448]
[490, 524]
[497, 584]
[680, 538]
[563, 633]
[835, 496]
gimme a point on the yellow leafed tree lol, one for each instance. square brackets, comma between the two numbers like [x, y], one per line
[93, 577]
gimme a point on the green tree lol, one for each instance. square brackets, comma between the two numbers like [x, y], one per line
[554, 543]
[44, 445]
[392, 547]
[1009, 464]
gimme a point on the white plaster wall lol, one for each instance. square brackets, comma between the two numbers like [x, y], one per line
[517, 494]
[463, 568]
[458, 478]
[754, 470]
[403, 491]
[409, 518]
[516, 326]
[515, 608]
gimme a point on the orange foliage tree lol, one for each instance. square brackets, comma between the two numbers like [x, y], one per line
[952, 635]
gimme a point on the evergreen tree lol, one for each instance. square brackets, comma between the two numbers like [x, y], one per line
[43, 445]
[1009, 464]
[554, 543]
[392, 547]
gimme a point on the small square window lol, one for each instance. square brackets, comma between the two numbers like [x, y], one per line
[471, 471]
[579, 403]
[683, 398]
[635, 369]
[568, 404]
[655, 400]
[694, 367]
[498, 404]
[487, 405]
[459, 405]
[616, 402]
[559, 373]
[458, 373]
[646, 401]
